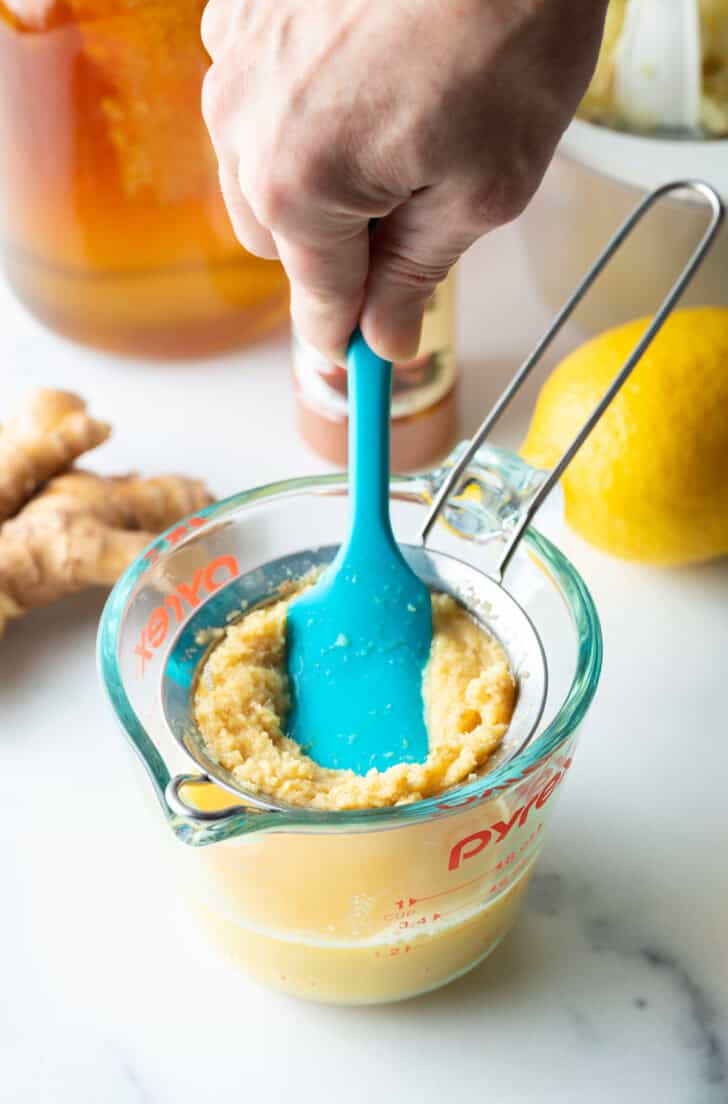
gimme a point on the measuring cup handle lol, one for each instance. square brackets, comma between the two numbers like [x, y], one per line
[495, 489]
[183, 808]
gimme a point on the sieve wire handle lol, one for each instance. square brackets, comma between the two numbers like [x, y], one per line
[699, 188]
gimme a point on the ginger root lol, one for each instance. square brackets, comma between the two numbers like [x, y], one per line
[84, 530]
[80, 529]
[42, 440]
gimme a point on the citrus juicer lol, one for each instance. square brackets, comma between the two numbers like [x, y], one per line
[484, 596]
[658, 66]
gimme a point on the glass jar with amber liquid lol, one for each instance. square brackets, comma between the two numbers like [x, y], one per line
[112, 226]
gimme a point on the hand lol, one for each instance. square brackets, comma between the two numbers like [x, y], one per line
[438, 117]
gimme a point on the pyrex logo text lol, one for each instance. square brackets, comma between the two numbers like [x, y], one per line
[206, 581]
[473, 844]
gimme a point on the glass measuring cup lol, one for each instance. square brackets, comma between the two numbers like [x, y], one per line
[376, 904]
[372, 905]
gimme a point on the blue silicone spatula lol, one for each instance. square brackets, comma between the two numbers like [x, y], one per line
[358, 641]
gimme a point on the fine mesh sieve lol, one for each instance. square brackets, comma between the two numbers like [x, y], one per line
[484, 596]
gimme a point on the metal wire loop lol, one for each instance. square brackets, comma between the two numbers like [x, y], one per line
[705, 192]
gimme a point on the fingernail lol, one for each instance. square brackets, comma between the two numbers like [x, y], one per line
[397, 334]
[326, 331]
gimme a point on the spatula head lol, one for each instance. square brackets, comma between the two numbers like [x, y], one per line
[358, 643]
[490, 604]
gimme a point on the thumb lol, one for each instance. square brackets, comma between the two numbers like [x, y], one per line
[412, 251]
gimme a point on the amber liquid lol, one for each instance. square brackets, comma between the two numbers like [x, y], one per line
[112, 226]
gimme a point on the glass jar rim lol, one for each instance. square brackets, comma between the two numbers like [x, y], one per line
[280, 816]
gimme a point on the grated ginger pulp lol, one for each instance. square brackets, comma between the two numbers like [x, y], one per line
[242, 700]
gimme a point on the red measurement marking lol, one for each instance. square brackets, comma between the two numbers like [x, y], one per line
[421, 921]
[173, 537]
[399, 914]
[442, 893]
[509, 878]
[507, 861]
[206, 581]
[392, 952]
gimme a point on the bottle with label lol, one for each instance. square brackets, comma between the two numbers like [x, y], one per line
[423, 393]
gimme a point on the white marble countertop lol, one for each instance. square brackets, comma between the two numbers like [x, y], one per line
[615, 980]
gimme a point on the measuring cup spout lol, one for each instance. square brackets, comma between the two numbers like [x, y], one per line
[211, 810]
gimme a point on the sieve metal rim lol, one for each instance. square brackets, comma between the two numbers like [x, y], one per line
[225, 825]
[442, 572]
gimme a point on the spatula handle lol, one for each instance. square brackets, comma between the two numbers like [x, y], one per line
[370, 397]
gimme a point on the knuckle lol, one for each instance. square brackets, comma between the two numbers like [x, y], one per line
[212, 98]
[222, 104]
[210, 26]
[515, 199]
[271, 197]
[314, 173]
[222, 19]
[284, 187]
[499, 201]
[418, 276]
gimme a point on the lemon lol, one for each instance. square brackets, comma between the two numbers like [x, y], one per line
[651, 481]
